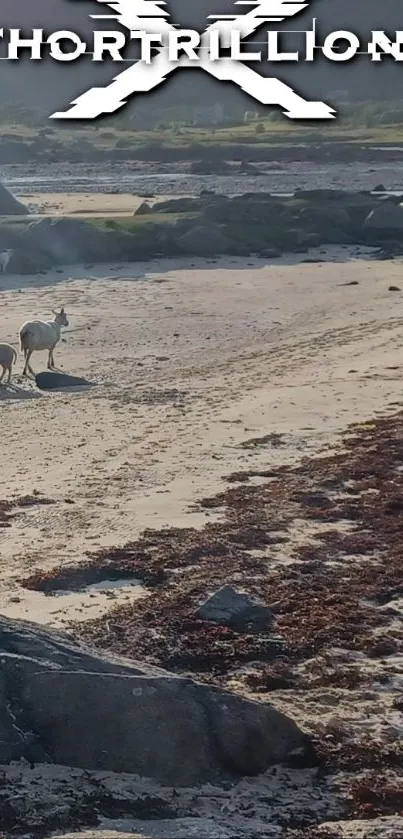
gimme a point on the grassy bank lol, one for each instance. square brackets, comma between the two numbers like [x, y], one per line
[361, 123]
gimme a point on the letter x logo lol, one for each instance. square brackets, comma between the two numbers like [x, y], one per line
[140, 77]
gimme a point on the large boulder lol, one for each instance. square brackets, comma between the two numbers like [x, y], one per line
[386, 218]
[325, 218]
[66, 240]
[204, 240]
[177, 205]
[28, 256]
[143, 210]
[63, 703]
[245, 208]
[9, 206]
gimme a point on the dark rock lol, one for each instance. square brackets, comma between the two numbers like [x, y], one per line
[379, 188]
[382, 647]
[63, 703]
[143, 210]
[66, 240]
[9, 206]
[177, 205]
[202, 240]
[49, 380]
[28, 257]
[318, 195]
[394, 507]
[270, 253]
[392, 199]
[317, 499]
[390, 249]
[229, 607]
[386, 218]
[325, 218]
[394, 288]
[307, 240]
[210, 167]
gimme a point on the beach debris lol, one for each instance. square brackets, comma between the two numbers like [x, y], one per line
[229, 607]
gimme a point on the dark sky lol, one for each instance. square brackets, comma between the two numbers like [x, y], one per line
[48, 84]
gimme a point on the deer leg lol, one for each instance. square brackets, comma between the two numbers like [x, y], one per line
[2, 375]
[51, 360]
[29, 366]
[28, 354]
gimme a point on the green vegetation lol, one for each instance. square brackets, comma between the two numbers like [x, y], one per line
[133, 223]
[367, 122]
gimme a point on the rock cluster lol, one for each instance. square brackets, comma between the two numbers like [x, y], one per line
[211, 225]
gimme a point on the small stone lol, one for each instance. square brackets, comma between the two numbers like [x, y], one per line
[317, 499]
[229, 607]
[382, 647]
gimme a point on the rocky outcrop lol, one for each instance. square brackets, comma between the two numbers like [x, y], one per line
[143, 210]
[63, 703]
[9, 206]
[204, 240]
[386, 219]
[210, 225]
[177, 205]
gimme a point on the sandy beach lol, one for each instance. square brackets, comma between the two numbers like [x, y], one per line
[85, 204]
[189, 359]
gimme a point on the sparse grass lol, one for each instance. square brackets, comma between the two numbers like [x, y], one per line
[133, 223]
[368, 123]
